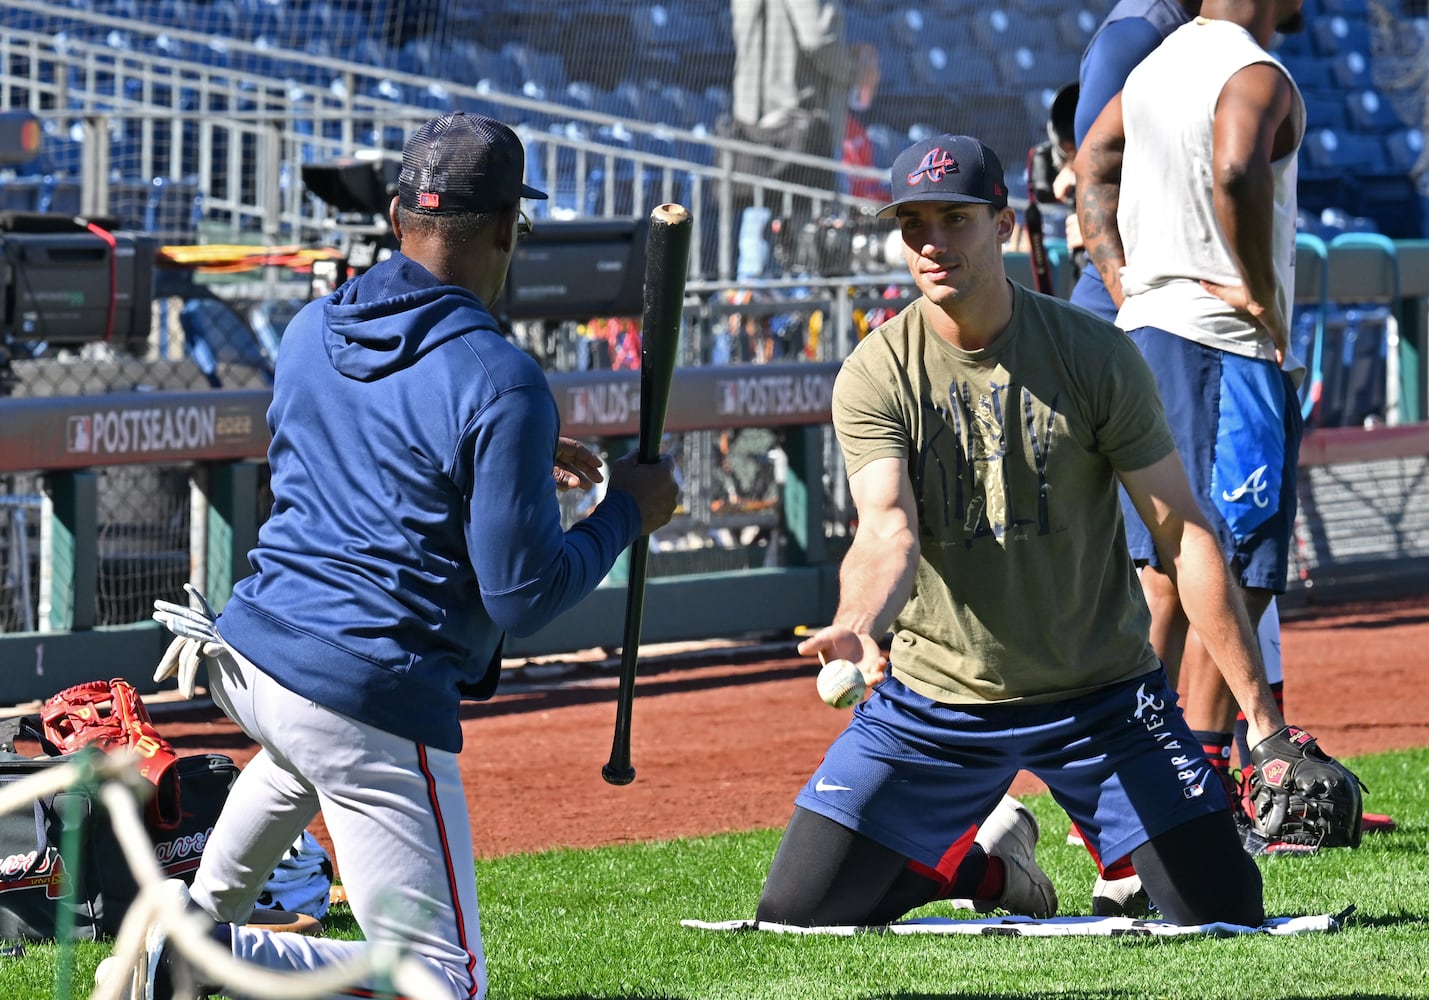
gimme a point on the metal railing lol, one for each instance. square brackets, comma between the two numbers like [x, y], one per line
[237, 135]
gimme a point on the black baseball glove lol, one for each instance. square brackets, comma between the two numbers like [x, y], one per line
[1300, 794]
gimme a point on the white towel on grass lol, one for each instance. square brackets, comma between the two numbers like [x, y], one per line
[1017, 926]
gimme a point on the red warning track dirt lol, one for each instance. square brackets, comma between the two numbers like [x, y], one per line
[720, 747]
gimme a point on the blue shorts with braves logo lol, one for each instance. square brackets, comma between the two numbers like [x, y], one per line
[1237, 425]
[917, 775]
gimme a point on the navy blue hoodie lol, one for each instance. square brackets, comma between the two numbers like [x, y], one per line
[415, 518]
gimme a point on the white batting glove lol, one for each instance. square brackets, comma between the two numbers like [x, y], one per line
[196, 639]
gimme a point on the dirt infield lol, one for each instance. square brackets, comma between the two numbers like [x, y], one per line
[724, 747]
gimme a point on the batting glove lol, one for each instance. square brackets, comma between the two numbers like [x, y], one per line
[196, 639]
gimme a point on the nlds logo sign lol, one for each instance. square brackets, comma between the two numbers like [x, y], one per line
[603, 404]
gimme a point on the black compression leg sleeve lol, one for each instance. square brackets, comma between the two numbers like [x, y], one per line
[1198, 873]
[825, 874]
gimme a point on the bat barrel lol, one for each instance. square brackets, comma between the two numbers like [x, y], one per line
[666, 263]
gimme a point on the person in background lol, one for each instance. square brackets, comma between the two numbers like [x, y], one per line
[789, 94]
[857, 149]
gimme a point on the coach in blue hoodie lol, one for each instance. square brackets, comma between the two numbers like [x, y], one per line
[416, 457]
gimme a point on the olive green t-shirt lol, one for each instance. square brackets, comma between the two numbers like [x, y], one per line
[1024, 587]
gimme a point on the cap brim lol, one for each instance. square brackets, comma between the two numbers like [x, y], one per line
[888, 210]
[527, 191]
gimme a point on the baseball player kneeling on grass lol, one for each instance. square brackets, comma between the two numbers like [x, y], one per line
[414, 521]
[985, 430]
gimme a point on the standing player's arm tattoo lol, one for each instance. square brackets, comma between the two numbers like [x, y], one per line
[1098, 169]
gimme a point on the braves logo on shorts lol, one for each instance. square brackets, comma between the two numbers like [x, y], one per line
[935, 163]
[1150, 709]
[1254, 487]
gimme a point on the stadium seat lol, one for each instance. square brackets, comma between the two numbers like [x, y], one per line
[625, 101]
[906, 27]
[1404, 150]
[1075, 28]
[991, 29]
[1336, 33]
[1026, 69]
[1325, 111]
[1369, 111]
[500, 71]
[546, 70]
[1350, 70]
[968, 73]
[1311, 73]
[1329, 151]
[1349, 8]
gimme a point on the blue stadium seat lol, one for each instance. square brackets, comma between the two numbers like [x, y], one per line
[1330, 151]
[546, 68]
[991, 29]
[1336, 33]
[625, 101]
[219, 18]
[1350, 8]
[500, 71]
[1311, 73]
[579, 94]
[1027, 69]
[960, 69]
[1369, 112]
[435, 97]
[1350, 70]
[1075, 28]
[1325, 111]
[1404, 150]
[261, 19]
[906, 28]
[170, 13]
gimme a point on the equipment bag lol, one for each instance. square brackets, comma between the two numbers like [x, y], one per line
[38, 884]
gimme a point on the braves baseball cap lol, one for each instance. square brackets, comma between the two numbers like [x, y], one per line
[947, 168]
[463, 163]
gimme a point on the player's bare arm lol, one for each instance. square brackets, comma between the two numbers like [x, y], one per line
[1098, 169]
[1253, 128]
[876, 576]
[1191, 555]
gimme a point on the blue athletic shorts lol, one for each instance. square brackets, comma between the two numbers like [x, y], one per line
[1237, 425]
[917, 776]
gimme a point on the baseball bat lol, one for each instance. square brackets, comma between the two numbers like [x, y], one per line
[667, 257]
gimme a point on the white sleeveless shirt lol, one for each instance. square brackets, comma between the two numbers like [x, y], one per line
[1166, 213]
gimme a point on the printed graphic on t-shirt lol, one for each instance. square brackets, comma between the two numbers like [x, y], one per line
[988, 467]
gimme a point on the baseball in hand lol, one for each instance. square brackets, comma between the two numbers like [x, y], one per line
[840, 683]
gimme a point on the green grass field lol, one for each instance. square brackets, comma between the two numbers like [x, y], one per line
[565, 925]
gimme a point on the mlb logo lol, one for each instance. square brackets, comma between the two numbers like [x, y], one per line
[428, 199]
[580, 406]
[728, 397]
[79, 435]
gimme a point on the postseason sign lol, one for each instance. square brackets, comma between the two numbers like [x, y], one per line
[76, 432]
